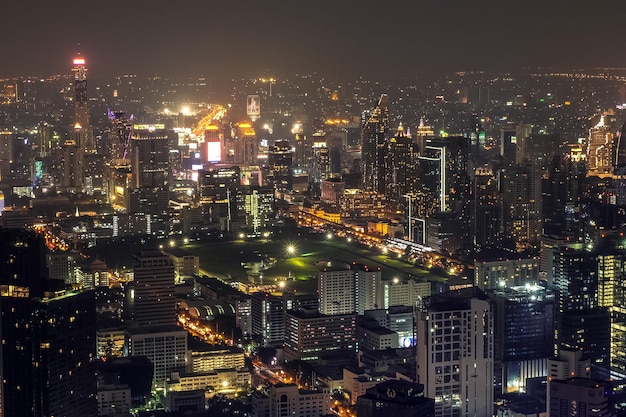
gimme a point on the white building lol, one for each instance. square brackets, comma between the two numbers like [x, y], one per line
[227, 382]
[409, 292]
[455, 352]
[349, 288]
[165, 346]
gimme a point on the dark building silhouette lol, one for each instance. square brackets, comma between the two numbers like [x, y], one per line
[373, 146]
[395, 398]
[48, 335]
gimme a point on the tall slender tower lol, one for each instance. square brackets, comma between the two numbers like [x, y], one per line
[81, 105]
[374, 146]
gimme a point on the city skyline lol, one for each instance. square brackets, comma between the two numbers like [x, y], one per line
[334, 38]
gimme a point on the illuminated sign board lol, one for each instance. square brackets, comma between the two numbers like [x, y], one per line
[214, 151]
[253, 106]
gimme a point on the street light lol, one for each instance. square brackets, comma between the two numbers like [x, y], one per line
[291, 249]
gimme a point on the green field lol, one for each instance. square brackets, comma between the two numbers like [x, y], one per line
[223, 260]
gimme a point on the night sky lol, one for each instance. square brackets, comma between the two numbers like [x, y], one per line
[341, 37]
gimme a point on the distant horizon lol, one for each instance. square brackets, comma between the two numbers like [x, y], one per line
[370, 38]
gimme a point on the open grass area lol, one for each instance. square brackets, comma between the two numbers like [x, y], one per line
[299, 269]
[223, 259]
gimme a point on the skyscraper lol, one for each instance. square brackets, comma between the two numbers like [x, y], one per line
[150, 156]
[600, 149]
[81, 104]
[455, 352]
[374, 144]
[154, 303]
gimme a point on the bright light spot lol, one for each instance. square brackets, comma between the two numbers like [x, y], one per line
[224, 384]
[241, 235]
[160, 246]
[329, 236]
[349, 239]
[291, 249]
[185, 111]
[172, 243]
[396, 280]
[281, 284]
[186, 240]
[385, 250]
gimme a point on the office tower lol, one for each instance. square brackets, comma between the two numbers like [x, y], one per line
[212, 150]
[581, 324]
[486, 213]
[600, 149]
[397, 318]
[255, 208]
[48, 337]
[120, 137]
[523, 332]
[154, 303]
[268, 318]
[395, 398]
[280, 161]
[245, 146]
[520, 187]
[73, 162]
[309, 334]
[6, 153]
[348, 288]
[446, 232]
[22, 275]
[405, 292]
[302, 150]
[580, 397]
[320, 163]
[455, 352]
[165, 346]
[522, 135]
[150, 156]
[67, 349]
[401, 169]
[373, 146]
[504, 270]
[508, 145]
[81, 105]
[619, 165]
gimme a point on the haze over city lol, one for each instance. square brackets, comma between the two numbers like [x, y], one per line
[337, 38]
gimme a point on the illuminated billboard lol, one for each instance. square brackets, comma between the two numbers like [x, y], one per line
[214, 151]
[253, 107]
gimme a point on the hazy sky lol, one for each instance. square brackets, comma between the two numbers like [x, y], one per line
[340, 37]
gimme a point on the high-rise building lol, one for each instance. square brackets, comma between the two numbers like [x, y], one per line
[486, 213]
[523, 333]
[280, 161]
[401, 169]
[245, 146]
[374, 144]
[81, 104]
[349, 288]
[150, 156]
[520, 186]
[48, 337]
[455, 352]
[600, 149]
[581, 324]
[6, 153]
[268, 318]
[73, 161]
[164, 346]
[153, 300]
[309, 334]
[67, 350]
